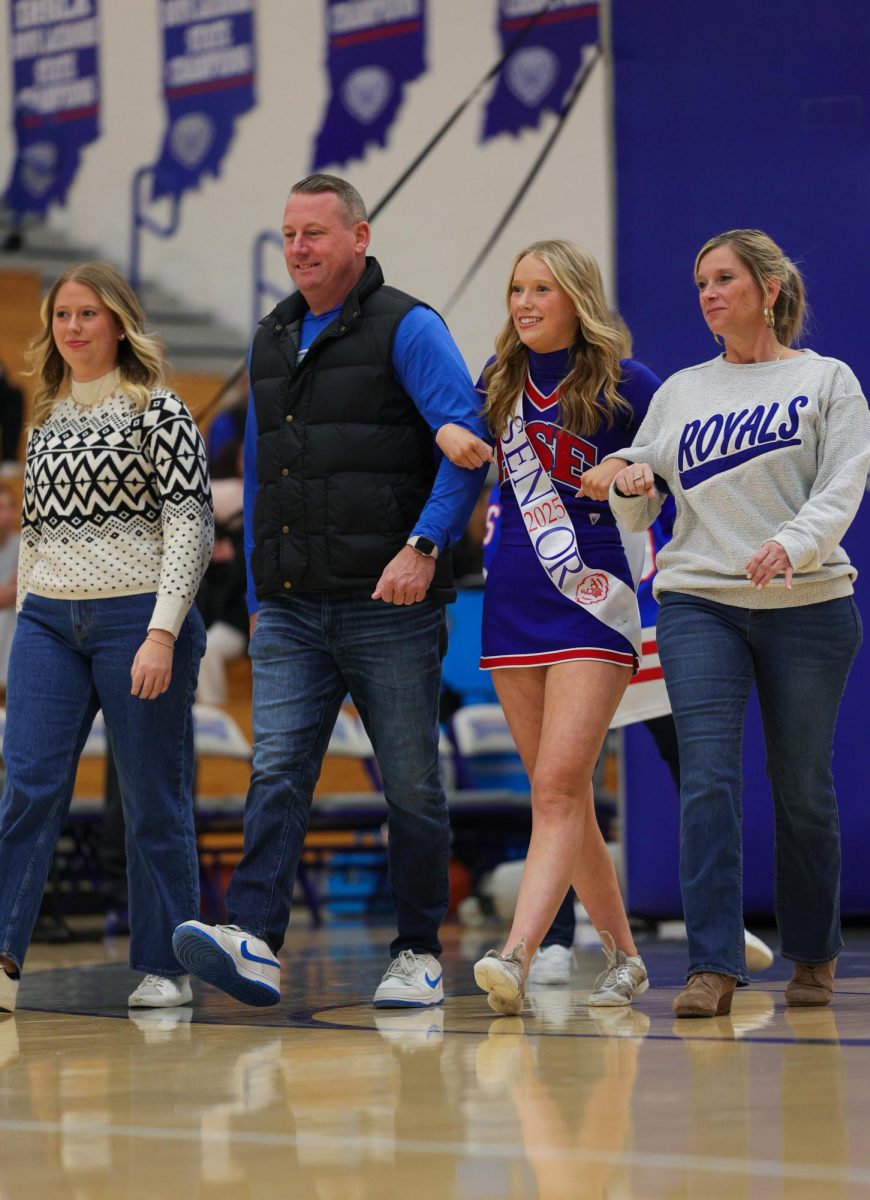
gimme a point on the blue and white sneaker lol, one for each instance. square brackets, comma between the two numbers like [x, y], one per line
[233, 960]
[411, 981]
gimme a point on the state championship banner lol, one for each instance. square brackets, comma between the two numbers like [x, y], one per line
[540, 71]
[55, 97]
[209, 77]
[374, 48]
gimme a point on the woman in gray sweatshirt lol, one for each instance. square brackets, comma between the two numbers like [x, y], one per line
[766, 450]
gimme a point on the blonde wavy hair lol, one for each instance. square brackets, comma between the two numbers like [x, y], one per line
[589, 393]
[765, 260]
[140, 355]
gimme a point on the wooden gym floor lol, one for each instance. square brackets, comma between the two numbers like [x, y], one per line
[323, 1098]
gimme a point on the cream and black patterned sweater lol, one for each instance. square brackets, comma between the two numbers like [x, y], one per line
[117, 502]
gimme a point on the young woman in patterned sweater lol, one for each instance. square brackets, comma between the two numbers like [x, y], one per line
[116, 534]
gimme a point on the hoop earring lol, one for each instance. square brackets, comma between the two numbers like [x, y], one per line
[769, 318]
[718, 340]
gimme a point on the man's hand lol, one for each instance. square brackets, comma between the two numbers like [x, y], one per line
[406, 578]
[463, 448]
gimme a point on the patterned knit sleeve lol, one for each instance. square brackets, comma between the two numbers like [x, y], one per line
[31, 532]
[175, 450]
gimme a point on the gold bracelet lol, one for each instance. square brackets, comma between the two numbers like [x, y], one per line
[159, 641]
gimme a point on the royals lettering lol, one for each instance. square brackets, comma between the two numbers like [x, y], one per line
[725, 440]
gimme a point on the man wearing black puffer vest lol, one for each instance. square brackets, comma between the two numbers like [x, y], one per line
[348, 523]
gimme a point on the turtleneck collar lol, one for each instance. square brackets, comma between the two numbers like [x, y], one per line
[94, 390]
[548, 370]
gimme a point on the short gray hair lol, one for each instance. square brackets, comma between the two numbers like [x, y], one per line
[350, 201]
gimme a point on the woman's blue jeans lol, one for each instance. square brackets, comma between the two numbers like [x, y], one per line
[799, 660]
[69, 659]
[308, 652]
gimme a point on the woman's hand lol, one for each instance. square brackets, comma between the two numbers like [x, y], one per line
[462, 447]
[152, 667]
[595, 483]
[768, 562]
[636, 480]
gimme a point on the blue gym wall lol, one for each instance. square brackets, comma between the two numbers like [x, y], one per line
[745, 113]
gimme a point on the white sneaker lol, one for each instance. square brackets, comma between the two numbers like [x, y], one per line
[8, 991]
[622, 979]
[410, 981]
[759, 955]
[158, 991]
[501, 977]
[551, 964]
[238, 963]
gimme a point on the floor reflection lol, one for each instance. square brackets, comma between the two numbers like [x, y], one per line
[326, 1098]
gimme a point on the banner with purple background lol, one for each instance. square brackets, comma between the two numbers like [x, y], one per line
[374, 47]
[540, 71]
[209, 76]
[55, 98]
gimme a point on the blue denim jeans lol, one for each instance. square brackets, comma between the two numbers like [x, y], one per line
[799, 660]
[69, 659]
[308, 652]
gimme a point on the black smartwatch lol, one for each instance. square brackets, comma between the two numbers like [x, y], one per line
[423, 545]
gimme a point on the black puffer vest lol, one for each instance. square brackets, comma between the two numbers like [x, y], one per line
[345, 462]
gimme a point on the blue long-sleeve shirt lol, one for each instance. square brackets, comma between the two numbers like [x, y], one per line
[430, 368]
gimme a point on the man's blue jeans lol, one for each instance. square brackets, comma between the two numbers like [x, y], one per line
[70, 658]
[308, 652]
[799, 660]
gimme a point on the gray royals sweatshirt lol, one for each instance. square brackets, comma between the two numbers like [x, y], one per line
[754, 452]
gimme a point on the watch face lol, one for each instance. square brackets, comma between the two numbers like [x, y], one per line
[424, 545]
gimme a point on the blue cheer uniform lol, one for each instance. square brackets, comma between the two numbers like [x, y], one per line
[527, 622]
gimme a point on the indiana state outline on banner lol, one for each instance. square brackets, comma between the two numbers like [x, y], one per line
[374, 48]
[209, 79]
[543, 66]
[54, 53]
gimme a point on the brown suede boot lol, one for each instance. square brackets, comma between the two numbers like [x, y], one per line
[705, 995]
[811, 986]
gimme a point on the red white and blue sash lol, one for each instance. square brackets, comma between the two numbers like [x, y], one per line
[554, 538]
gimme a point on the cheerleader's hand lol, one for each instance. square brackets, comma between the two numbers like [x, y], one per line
[462, 447]
[595, 483]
